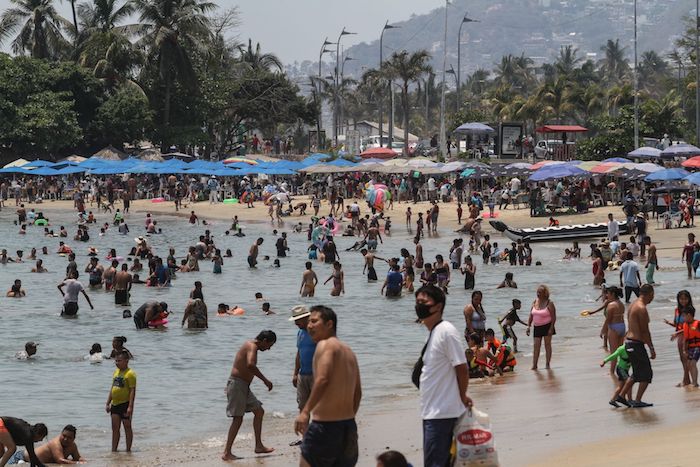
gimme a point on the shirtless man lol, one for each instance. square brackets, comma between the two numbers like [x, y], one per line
[652, 262]
[253, 253]
[59, 449]
[122, 286]
[240, 398]
[95, 270]
[637, 336]
[331, 437]
[369, 264]
[371, 236]
[109, 275]
[308, 281]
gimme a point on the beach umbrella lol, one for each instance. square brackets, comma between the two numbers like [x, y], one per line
[341, 163]
[621, 160]
[421, 162]
[178, 156]
[587, 165]
[245, 160]
[541, 164]
[374, 160]
[553, 172]
[379, 153]
[647, 167]
[645, 152]
[67, 170]
[680, 150]
[467, 173]
[474, 128]
[13, 170]
[628, 174]
[603, 167]
[43, 171]
[38, 163]
[670, 187]
[519, 165]
[16, 163]
[111, 153]
[667, 175]
[453, 166]
[693, 162]
[693, 178]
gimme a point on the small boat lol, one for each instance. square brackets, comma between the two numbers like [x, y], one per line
[563, 232]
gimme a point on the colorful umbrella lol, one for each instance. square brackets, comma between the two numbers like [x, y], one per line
[693, 162]
[379, 153]
[245, 160]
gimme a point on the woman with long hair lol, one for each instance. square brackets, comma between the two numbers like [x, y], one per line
[684, 302]
[543, 315]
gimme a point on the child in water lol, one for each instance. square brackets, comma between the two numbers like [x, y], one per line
[622, 370]
[508, 321]
[120, 401]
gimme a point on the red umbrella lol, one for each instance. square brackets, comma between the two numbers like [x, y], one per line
[693, 162]
[379, 153]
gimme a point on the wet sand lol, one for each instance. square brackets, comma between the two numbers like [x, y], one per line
[554, 417]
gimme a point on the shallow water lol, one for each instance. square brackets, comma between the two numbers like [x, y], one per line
[182, 374]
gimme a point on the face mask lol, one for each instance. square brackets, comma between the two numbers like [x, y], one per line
[423, 310]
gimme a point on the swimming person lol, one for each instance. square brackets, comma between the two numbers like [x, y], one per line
[327, 421]
[70, 296]
[240, 398]
[120, 401]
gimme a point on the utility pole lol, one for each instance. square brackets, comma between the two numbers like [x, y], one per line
[337, 85]
[320, 100]
[381, 92]
[466, 19]
[636, 82]
[697, 72]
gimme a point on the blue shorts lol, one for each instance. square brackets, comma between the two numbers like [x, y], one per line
[694, 353]
[372, 244]
[331, 443]
[17, 457]
[622, 374]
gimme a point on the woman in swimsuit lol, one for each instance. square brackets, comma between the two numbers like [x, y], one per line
[338, 280]
[543, 315]
[684, 301]
[475, 316]
[408, 271]
[469, 271]
[614, 325]
[443, 272]
[598, 268]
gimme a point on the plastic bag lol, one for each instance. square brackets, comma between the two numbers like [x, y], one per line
[473, 441]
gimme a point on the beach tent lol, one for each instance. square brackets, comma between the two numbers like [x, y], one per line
[667, 175]
[111, 153]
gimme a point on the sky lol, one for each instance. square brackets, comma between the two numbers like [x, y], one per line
[294, 30]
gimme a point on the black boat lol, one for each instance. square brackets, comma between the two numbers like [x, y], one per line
[563, 232]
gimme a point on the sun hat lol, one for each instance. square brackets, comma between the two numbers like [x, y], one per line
[299, 312]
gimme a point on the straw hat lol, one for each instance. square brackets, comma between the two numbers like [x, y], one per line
[299, 312]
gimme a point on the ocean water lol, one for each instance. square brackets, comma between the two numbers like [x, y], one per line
[182, 374]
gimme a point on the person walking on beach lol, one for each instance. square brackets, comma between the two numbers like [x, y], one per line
[240, 398]
[120, 401]
[309, 280]
[70, 296]
[687, 254]
[652, 262]
[330, 436]
[613, 228]
[443, 379]
[629, 277]
[637, 337]
[543, 315]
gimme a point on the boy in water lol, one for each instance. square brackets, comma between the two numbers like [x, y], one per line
[120, 401]
[622, 370]
[508, 321]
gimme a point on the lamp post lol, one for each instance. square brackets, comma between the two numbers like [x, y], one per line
[381, 94]
[341, 117]
[697, 72]
[466, 19]
[442, 93]
[337, 76]
[320, 100]
[636, 83]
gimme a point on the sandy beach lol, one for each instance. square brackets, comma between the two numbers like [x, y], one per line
[557, 417]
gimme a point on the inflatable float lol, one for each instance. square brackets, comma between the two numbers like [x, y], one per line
[562, 232]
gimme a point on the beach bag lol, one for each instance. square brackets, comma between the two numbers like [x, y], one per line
[418, 366]
[473, 441]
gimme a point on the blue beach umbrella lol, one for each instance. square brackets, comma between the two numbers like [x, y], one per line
[621, 160]
[667, 175]
[680, 150]
[555, 171]
[693, 178]
[645, 152]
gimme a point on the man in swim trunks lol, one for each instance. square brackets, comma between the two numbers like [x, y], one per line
[16, 432]
[240, 398]
[122, 286]
[308, 281]
[56, 451]
[70, 296]
[371, 237]
[331, 437]
[303, 379]
[95, 272]
[652, 261]
[637, 337]
[253, 253]
[109, 275]
[369, 265]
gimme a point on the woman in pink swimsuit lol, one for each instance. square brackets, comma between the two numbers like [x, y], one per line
[543, 316]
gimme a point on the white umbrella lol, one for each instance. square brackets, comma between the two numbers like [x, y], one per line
[421, 162]
[453, 166]
[18, 163]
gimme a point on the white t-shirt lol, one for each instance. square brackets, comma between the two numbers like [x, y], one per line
[634, 248]
[72, 289]
[439, 391]
[431, 184]
[515, 184]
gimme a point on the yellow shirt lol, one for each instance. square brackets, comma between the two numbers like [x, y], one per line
[122, 383]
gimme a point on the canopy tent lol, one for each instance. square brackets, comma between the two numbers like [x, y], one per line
[111, 153]
[38, 163]
[667, 175]
[73, 158]
[680, 150]
[43, 171]
[151, 155]
[244, 160]
[379, 153]
[645, 152]
[474, 128]
[561, 129]
[340, 162]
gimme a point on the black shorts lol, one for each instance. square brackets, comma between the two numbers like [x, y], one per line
[121, 297]
[639, 359]
[331, 444]
[70, 309]
[543, 331]
[252, 261]
[120, 410]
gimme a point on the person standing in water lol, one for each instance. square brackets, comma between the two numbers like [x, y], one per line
[543, 315]
[652, 262]
[240, 398]
[309, 280]
[338, 280]
[120, 401]
[330, 437]
[253, 253]
[637, 337]
[70, 296]
[469, 271]
[122, 286]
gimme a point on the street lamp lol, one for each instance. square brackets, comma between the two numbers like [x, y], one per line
[697, 72]
[337, 76]
[381, 94]
[636, 83]
[342, 67]
[341, 117]
[466, 19]
[442, 93]
[324, 50]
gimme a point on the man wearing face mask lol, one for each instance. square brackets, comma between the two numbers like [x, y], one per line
[443, 379]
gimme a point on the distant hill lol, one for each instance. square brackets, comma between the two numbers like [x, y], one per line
[537, 28]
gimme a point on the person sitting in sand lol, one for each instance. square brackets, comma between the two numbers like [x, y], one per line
[508, 282]
[16, 291]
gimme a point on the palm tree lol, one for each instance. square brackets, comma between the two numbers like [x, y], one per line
[556, 97]
[476, 83]
[408, 68]
[172, 30]
[39, 27]
[257, 60]
[567, 61]
[614, 65]
[653, 72]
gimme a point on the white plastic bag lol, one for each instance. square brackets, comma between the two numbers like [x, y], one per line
[474, 444]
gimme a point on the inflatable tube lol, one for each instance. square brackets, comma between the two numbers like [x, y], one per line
[336, 226]
[318, 235]
[154, 323]
[116, 258]
[238, 311]
[158, 200]
[42, 222]
[231, 201]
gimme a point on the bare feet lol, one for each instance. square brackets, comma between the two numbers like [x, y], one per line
[263, 450]
[230, 457]
[534, 368]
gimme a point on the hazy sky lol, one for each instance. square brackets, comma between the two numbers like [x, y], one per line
[294, 30]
